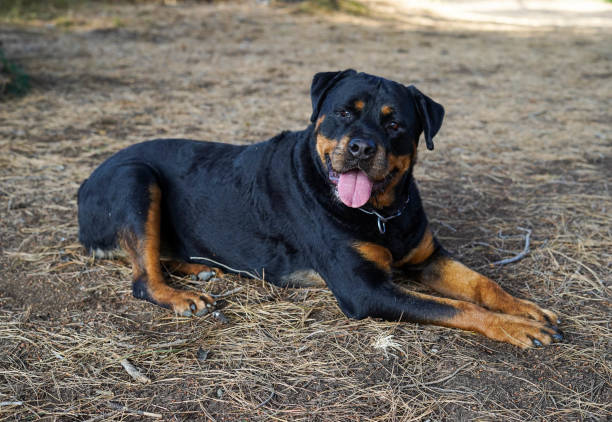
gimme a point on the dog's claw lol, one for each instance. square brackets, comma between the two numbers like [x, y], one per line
[558, 336]
[536, 342]
[202, 312]
[186, 313]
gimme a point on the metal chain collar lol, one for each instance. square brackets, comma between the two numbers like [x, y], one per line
[382, 228]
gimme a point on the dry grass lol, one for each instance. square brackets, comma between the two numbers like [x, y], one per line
[526, 144]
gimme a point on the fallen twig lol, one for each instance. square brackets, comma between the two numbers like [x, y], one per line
[228, 293]
[438, 381]
[170, 344]
[118, 406]
[520, 255]
[255, 276]
[263, 403]
[135, 372]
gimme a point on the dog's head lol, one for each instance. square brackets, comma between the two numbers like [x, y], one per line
[367, 130]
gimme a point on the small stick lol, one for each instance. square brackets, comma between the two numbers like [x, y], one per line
[228, 268]
[520, 255]
[229, 293]
[263, 403]
[178, 342]
[438, 381]
[11, 403]
[135, 372]
[118, 406]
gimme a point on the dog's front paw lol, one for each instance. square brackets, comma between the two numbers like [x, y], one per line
[528, 309]
[522, 332]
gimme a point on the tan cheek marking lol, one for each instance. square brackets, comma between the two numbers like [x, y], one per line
[340, 154]
[386, 110]
[377, 254]
[319, 121]
[387, 196]
[325, 146]
[400, 162]
[359, 105]
[419, 254]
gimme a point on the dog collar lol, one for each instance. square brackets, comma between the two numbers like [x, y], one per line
[382, 220]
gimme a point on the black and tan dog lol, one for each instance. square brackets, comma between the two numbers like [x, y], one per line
[334, 202]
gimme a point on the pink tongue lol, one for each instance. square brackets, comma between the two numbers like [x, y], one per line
[354, 188]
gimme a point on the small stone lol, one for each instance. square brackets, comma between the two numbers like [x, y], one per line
[220, 317]
[202, 354]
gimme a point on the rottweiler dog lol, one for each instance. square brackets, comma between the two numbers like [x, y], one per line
[335, 203]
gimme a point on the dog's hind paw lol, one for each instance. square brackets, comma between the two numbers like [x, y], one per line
[189, 304]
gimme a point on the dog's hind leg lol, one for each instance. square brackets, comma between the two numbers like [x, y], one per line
[143, 247]
[120, 205]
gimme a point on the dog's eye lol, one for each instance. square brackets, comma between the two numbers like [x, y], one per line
[345, 114]
[393, 125]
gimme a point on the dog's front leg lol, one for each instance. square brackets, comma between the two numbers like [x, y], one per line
[451, 278]
[365, 289]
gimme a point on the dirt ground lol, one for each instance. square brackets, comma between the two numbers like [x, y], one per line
[526, 144]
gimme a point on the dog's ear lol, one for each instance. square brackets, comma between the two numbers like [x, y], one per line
[431, 114]
[321, 83]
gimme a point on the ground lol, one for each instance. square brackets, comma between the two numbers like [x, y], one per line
[526, 143]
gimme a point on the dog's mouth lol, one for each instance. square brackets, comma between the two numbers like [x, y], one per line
[353, 186]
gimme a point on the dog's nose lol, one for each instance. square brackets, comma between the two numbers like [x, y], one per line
[362, 149]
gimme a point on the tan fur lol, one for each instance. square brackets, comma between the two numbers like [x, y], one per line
[319, 121]
[189, 268]
[401, 163]
[511, 329]
[145, 257]
[419, 254]
[377, 254]
[452, 278]
[325, 146]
